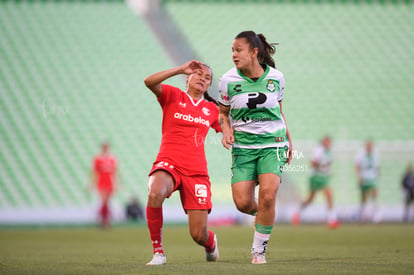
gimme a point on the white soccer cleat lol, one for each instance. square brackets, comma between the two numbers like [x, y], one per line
[258, 258]
[158, 259]
[213, 255]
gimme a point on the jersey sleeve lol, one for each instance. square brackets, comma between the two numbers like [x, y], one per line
[223, 92]
[216, 125]
[358, 158]
[167, 94]
[281, 88]
[317, 154]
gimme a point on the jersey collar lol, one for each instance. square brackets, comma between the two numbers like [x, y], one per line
[192, 100]
[248, 79]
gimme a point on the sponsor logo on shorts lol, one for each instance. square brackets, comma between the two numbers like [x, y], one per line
[200, 190]
[164, 164]
[190, 118]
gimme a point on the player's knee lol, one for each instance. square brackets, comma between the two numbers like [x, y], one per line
[155, 198]
[267, 200]
[245, 206]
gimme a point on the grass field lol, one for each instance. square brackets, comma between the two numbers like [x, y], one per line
[308, 249]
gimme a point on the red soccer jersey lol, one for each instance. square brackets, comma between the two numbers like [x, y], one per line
[185, 125]
[105, 166]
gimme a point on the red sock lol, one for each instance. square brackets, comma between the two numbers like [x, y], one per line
[154, 222]
[210, 244]
[104, 212]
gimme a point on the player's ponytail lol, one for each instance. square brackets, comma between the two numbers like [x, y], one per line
[268, 50]
[265, 49]
[209, 98]
[206, 95]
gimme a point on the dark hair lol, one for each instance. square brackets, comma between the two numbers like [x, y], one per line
[209, 98]
[206, 95]
[266, 50]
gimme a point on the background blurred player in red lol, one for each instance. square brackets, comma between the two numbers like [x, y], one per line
[181, 162]
[104, 178]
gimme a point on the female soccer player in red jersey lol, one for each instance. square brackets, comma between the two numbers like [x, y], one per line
[181, 162]
[104, 173]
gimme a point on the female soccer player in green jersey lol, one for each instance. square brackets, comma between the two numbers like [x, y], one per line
[251, 97]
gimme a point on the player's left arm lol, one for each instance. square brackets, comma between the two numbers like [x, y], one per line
[358, 170]
[116, 178]
[216, 125]
[287, 134]
[224, 121]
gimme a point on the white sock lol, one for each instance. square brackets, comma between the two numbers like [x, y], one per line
[332, 217]
[362, 212]
[376, 215]
[260, 241]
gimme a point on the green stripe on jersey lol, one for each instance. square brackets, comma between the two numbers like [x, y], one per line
[247, 139]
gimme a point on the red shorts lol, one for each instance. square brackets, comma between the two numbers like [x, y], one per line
[105, 188]
[195, 191]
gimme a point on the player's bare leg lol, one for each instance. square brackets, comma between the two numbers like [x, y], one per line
[332, 216]
[376, 215]
[361, 216]
[244, 196]
[297, 215]
[197, 220]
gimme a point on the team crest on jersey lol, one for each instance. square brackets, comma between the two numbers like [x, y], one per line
[270, 86]
[206, 111]
[224, 97]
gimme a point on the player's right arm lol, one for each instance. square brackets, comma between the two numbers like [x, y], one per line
[224, 114]
[93, 177]
[153, 82]
[358, 167]
[358, 173]
[224, 120]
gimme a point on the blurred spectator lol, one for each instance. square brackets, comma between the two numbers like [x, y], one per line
[408, 188]
[104, 179]
[319, 181]
[367, 168]
[134, 210]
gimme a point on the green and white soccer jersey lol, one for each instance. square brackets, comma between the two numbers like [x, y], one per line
[320, 174]
[369, 166]
[256, 118]
[323, 158]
